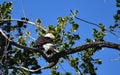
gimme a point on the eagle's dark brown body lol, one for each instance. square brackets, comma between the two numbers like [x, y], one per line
[41, 41]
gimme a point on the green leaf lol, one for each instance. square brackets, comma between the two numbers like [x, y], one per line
[38, 21]
[75, 11]
[98, 61]
[15, 48]
[76, 37]
[88, 40]
[58, 29]
[74, 27]
[116, 18]
[118, 3]
[62, 22]
[74, 61]
[21, 41]
[102, 27]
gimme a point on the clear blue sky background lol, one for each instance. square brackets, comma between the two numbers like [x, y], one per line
[98, 11]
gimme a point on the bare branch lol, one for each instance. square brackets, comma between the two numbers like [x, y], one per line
[50, 65]
[28, 22]
[84, 20]
[117, 36]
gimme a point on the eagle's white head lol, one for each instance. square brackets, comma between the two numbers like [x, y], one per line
[50, 35]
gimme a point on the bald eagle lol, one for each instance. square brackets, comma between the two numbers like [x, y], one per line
[46, 43]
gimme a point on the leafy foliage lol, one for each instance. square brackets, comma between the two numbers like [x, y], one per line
[116, 27]
[22, 57]
[118, 3]
[12, 56]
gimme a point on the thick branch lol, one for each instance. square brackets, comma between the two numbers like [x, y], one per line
[90, 45]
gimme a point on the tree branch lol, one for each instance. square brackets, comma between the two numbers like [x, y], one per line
[38, 69]
[24, 21]
[89, 45]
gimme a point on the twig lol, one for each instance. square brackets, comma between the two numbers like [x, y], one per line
[22, 6]
[113, 34]
[30, 36]
[115, 59]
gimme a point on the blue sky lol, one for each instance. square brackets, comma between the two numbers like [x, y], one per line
[97, 11]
